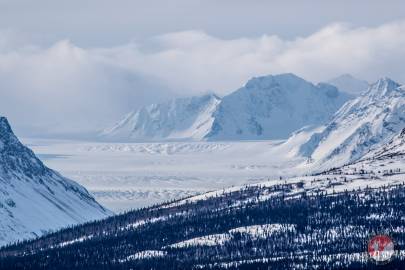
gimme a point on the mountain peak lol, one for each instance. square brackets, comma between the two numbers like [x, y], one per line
[349, 84]
[382, 88]
[269, 81]
[14, 155]
[267, 107]
[387, 83]
[5, 129]
[273, 106]
[42, 199]
[186, 118]
[346, 76]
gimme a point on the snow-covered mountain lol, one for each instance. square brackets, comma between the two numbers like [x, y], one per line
[361, 125]
[271, 107]
[349, 84]
[178, 119]
[35, 199]
[383, 161]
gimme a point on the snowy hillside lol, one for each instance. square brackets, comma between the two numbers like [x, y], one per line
[361, 125]
[34, 198]
[348, 84]
[320, 221]
[386, 161]
[182, 118]
[272, 107]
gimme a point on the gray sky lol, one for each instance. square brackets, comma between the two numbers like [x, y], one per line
[76, 66]
[98, 23]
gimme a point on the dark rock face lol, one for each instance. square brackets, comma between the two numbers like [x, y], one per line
[15, 157]
[35, 199]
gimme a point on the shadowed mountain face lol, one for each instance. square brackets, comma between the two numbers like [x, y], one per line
[34, 198]
[272, 107]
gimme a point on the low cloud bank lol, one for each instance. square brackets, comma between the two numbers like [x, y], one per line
[66, 89]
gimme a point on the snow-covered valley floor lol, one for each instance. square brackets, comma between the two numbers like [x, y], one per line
[123, 176]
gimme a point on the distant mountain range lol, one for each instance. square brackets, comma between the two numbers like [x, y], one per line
[35, 199]
[349, 84]
[269, 107]
[273, 107]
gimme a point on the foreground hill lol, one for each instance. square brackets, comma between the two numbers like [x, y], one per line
[35, 199]
[319, 221]
[269, 107]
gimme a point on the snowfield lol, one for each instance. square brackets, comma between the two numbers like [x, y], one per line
[123, 176]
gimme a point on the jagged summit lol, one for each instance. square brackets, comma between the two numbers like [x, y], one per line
[383, 88]
[34, 198]
[15, 156]
[364, 123]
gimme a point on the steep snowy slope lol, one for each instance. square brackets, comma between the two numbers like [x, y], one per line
[182, 118]
[348, 84]
[360, 125]
[34, 198]
[272, 107]
[385, 161]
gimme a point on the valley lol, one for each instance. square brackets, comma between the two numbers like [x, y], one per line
[123, 176]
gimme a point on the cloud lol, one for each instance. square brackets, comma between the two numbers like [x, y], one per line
[67, 88]
[223, 65]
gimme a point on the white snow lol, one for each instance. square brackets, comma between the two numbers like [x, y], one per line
[144, 255]
[269, 107]
[361, 125]
[256, 231]
[182, 118]
[263, 231]
[272, 107]
[206, 240]
[35, 199]
[78, 240]
[122, 176]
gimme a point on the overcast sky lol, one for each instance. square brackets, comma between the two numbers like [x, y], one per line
[73, 66]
